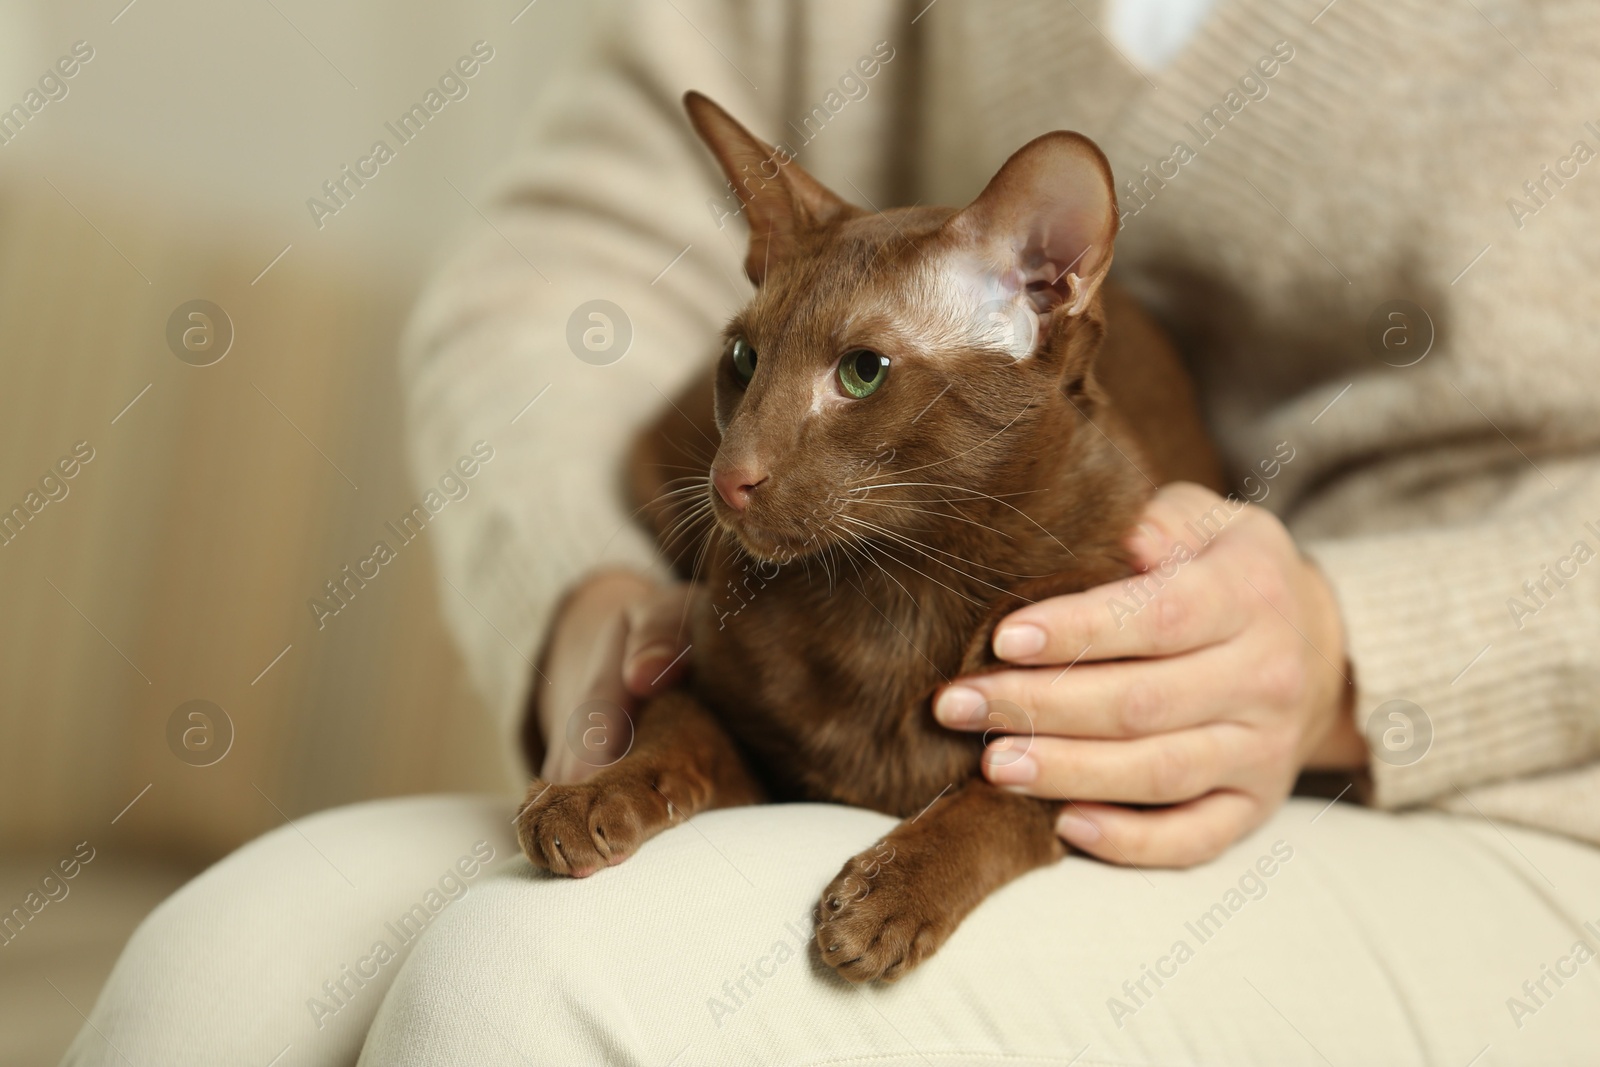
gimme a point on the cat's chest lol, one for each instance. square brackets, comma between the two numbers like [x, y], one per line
[847, 643]
[828, 688]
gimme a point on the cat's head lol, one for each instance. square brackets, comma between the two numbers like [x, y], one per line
[899, 372]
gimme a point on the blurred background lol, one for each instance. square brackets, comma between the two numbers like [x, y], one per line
[220, 497]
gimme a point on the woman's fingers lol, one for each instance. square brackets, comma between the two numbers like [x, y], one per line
[584, 708]
[1178, 836]
[1134, 698]
[1181, 512]
[1183, 602]
[653, 656]
[1165, 769]
[589, 728]
[1170, 711]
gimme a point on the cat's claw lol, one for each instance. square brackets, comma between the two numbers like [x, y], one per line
[577, 829]
[878, 920]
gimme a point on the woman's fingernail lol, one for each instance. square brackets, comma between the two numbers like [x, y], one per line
[1018, 641]
[1147, 542]
[958, 706]
[1009, 766]
[648, 663]
[1077, 829]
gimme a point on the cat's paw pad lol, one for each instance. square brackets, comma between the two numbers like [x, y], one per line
[879, 920]
[578, 829]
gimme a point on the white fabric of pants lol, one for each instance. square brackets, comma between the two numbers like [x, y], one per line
[1330, 936]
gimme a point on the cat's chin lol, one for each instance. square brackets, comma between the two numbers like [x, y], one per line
[764, 546]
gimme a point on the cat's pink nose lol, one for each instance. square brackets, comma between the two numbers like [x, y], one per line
[736, 485]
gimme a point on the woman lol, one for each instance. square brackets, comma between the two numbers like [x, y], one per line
[1363, 223]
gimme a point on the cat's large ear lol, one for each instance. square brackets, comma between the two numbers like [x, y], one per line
[1044, 226]
[780, 199]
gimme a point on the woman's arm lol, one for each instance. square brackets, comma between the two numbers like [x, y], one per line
[612, 199]
[1452, 663]
[1490, 628]
[1174, 711]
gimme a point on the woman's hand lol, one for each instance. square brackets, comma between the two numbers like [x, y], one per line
[1202, 686]
[618, 637]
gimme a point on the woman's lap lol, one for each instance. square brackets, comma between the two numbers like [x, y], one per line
[230, 969]
[1373, 939]
[1339, 936]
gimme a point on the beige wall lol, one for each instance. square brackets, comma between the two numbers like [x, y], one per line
[180, 562]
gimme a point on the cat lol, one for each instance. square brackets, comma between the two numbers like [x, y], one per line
[923, 419]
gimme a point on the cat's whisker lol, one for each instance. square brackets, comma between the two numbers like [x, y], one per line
[934, 514]
[861, 548]
[822, 562]
[700, 556]
[689, 485]
[913, 568]
[689, 506]
[832, 549]
[970, 577]
[679, 496]
[684, 526]
[691, 539]
[871, 557]
[694, 576]
[848, 551]
[680, 526]
[689, 451]
[997, 500]
[885, 535]
[924, 548]
[955, 507]
[690, 496]
[966, 452]
[928, 551]
[829, 566]
[972, 494]
[696, 485]
[885, 544]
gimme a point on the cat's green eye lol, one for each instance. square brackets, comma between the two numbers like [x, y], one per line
[861, 372]
[744, 361]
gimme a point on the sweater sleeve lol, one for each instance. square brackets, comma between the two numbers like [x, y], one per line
[611, 198]
[1472, 643]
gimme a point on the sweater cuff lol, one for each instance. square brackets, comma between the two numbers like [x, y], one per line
[1455, 686]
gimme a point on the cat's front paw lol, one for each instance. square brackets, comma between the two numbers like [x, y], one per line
[882, 915]
[577, 829]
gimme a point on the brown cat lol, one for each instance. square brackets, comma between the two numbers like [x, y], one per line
[924, 418]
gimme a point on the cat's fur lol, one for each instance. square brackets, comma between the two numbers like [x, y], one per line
[880, 539]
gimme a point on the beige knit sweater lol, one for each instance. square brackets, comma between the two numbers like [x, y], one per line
[1295, 170]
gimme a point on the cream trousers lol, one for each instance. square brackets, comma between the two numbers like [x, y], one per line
[409, 932]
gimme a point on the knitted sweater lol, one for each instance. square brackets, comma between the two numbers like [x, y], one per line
[1296, 170]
